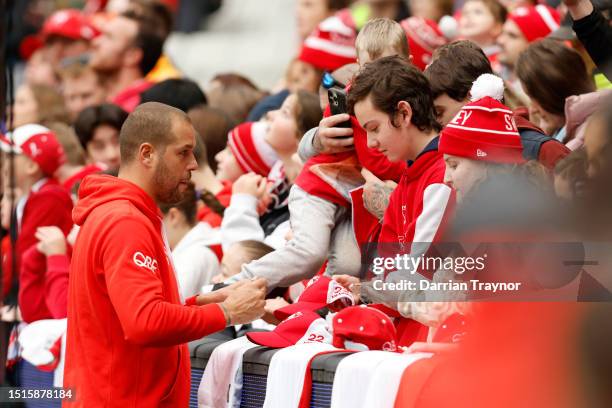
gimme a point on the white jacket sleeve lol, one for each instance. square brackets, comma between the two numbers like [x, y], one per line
[195, 268]
[240, 221]
[306, 149]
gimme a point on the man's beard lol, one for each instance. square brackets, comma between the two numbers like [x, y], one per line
[168, 190]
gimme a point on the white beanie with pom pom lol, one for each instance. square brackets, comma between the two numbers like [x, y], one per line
[487, 85]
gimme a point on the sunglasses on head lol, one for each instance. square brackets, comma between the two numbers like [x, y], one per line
[328, 81]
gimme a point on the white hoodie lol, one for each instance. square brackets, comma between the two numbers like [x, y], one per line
[195, 263]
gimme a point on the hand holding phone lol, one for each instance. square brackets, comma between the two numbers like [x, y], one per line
[337, 105]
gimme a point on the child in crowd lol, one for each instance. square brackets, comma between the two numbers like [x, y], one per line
[194, 262]
[246, 151]
[238, 254]
[259, 200]
[97, 128]
[481, 21]
[44, 203]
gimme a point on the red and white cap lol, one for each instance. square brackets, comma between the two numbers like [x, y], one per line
[535, 21]
[247, 143]
[38, 143]
[69, 23]
[424, 36]
[322, 291]
[331, 45]
[363, 328]
[299, 328]
[484, 130]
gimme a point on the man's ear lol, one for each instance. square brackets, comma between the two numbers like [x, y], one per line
[173, 216]
[404, 113]
[132, 57]
[146, 154]
[31, 168]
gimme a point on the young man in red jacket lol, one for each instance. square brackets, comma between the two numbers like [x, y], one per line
[393, 102]
[127, 328]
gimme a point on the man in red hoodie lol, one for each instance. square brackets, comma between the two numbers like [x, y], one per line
[127, 328]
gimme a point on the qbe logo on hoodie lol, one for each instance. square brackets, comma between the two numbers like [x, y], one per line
[143, 261]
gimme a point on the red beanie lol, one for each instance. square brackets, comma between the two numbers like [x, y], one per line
[248, 145]
[535, 21]
[484, 130]
[424, 36]
[69, 23]
[38, 143]
[331, 45]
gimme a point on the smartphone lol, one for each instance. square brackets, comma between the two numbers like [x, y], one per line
[337, 105]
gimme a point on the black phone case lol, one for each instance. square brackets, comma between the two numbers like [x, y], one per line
[337, 105]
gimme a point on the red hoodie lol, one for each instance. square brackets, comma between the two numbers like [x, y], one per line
[369, 158]
[127, 328]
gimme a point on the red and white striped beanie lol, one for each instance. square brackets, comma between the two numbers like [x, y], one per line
[535, 22]
[484, 130]
[424, 36]
[247, 143]
[331, 45]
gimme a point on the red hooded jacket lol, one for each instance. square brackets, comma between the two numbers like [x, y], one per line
[127, 328]
[369, 158]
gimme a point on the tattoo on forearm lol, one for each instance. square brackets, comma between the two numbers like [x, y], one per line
[377, 200]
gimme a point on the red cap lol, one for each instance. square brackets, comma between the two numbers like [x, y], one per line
[331, 45]
[301, 327]
[248, 145]
[38, 143]
[321, 291]
[69, 23]
[424, 36]
[362, 327]
[484, 130]
[535, 21]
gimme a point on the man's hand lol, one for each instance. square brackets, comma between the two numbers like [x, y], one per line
[271, 306]
[252, 184]
[376, 194]
[51, 241]
[350, 283]
[246, 302]
[329, 139]
[578, 8]
[219, 295]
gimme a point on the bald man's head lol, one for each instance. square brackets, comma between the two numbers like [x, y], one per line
[151, 123]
